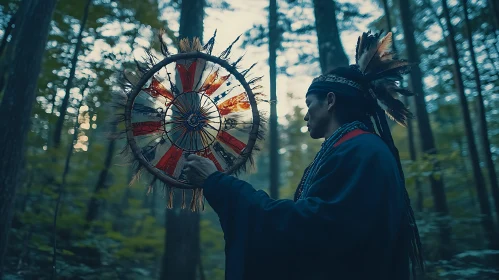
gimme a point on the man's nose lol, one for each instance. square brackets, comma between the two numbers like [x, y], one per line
[306, 117]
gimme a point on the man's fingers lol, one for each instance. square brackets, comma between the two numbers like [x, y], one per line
[190, 164]
[193, 157]
[187, 169]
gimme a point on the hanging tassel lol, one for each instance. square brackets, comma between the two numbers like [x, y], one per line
[193, 205]
[136, 177]
[170, 198]
[183, 200]
[150, 190]
[201, 199]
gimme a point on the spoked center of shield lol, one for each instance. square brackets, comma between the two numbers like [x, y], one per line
[192, 121]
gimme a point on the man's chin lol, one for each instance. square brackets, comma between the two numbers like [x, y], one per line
[315, 135]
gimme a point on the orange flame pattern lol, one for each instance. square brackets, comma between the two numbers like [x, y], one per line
[156, 88]
[234, 104]
[213, 82]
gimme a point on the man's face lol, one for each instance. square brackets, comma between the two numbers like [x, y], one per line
[317, 116]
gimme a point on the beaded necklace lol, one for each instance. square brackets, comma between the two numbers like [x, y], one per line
[325, 151]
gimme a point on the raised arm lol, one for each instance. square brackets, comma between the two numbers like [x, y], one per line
[346, 199]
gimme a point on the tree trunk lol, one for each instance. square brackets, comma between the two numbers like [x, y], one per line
[426, 134]
[482, 120]
[62, 186]
[410, 129]
[191, 19]
[331, 52]
[69, 84]
[274, 146]
[465, 171]
[17, 104]
[7, 58]
[93, 205]
[182, 242]
[494, 11]
[486, 219]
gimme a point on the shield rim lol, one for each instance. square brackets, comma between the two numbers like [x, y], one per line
[243, 157]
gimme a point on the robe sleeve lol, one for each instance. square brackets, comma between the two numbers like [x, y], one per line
[342, 208]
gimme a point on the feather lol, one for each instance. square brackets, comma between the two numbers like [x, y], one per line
[393, 107]
[387, 56]
[404, 91]
[367, 52]
[371, 61]
[164, 46]
[225, 54]
[391, 69]
[208, 47]
[385, 44]
[186, 45]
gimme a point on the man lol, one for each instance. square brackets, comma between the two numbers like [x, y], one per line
[351, 217]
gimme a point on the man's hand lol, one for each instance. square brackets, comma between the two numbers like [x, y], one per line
[197, 169]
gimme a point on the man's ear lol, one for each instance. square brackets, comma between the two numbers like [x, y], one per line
[331, 100]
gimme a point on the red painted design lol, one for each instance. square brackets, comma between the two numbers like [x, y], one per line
[231, 141]
[350, 135]
[142, 128]
[208, 82]
[168, 162]
[157, 88]
[187, 76]
[234, 104]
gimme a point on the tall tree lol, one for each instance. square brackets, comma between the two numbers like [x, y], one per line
[7, 47]
[182, 243]
[17, 104]
[483, 130]
[331, 52]
[425, 132]
[69, 83]
[273, 45]
[486, 219]
[410, 129]
[61, 189]
[494, 10]
[102, 184]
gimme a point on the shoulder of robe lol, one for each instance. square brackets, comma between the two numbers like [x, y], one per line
[364, 146]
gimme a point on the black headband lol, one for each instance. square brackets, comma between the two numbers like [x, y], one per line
[338, 85]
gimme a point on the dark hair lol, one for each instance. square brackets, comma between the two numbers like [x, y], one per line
[350, 108]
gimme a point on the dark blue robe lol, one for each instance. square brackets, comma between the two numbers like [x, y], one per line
[352, 226]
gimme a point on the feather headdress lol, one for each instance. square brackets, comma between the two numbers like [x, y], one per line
[383, 71]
